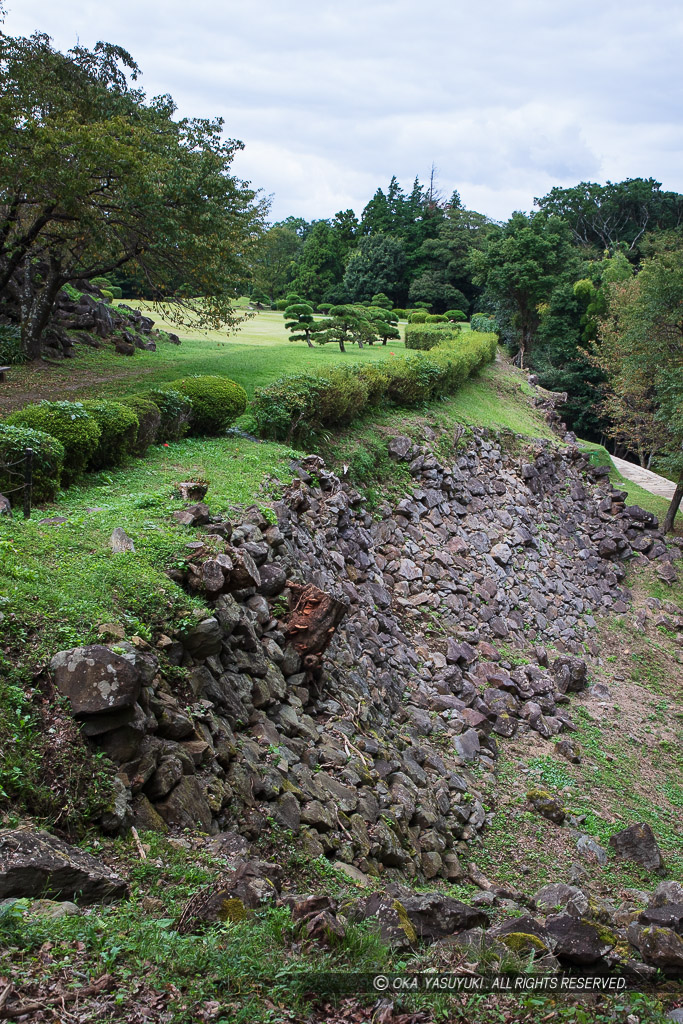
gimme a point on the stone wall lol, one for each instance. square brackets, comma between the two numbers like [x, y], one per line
[364, 749]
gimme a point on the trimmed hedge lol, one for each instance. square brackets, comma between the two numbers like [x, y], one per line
[436, 318]
[149, 421]
[118, 432]
[48, 461]
[175, 410]
[71, 424]
[428, 336]
[294, 406]
[419, 317]
[455, 314]
[216, 402]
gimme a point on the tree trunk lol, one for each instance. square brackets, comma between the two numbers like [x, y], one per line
[341, 345]
[673, 507]
[37, 301]
[308, 339]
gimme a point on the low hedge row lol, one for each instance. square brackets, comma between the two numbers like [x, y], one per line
[429, 335]
[69, 437]
[294, 406]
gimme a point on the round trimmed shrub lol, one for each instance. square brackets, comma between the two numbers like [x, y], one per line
[418, 318]
[100, 282]
[48, 460]
[71, 424]
[118, 432]
[455, 314]
[216, 402]
[115, 290]
[175, 410]
[107, 296]
[149, 421]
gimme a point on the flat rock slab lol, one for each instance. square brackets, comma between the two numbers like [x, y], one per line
[35, 863]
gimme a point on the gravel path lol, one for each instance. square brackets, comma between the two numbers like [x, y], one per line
[644, 478]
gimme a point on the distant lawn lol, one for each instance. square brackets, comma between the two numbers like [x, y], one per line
[256, 354]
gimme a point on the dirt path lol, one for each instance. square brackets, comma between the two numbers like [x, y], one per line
[644, 478]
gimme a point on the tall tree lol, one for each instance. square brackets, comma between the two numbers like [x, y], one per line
[519, 270]
[273, 258]
[94, 178]
[614, 214]
[377, 265]
[641, 354]
[319, 266]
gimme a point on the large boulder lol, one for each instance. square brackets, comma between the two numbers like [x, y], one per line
[95, 679]
[577, 941]
[433, 916]
[660, 947]
[35, 863]
[638, 843]
[390, 917]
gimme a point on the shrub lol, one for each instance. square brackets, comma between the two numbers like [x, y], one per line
[455, 314]
[294, 406]
[216, 402]
[101, 282]
[422, 305]
[484, 322]
[107, 295]
[71, 424]
[436, 318]
[175, 410]
[115, 290]
[427, 336]
[400, 314]
[324, 307]
[48, 460]
[149, 421]
[281, 304]
[118, 432]
[10, 345]
[420, 317]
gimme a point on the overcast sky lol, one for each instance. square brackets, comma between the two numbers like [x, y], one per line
[506, 97]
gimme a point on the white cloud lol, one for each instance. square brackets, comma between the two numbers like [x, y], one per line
[508, 99]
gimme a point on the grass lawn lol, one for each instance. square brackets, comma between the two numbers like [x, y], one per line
[256, 354]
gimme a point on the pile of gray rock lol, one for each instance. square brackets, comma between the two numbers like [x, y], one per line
[90, 320]
[452, 603]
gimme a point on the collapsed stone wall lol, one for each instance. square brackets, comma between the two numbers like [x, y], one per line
[365, 749]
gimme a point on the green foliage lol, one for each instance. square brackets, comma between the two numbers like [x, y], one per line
[483, 322]
[175, 410]
[297, 405]
[71, 424]
[216, 402]
[299, 320]
[115, 291]
[46, 769]
[420, 317]
[382, 300]
[101, 282]
[425, 336]
[375, 266]
[455, 314]
[11, 351]
[118, 432]
[436, 318]
[67, 116]
[149, 421]
[107, 296]
[48, 460]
